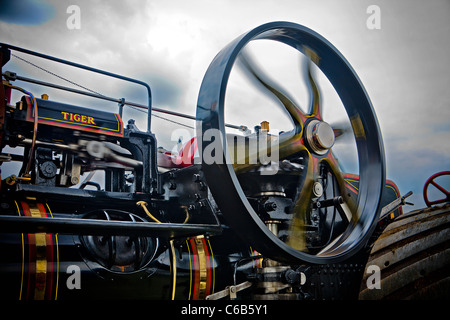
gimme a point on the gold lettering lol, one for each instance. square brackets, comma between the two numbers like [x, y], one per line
[65, 114]
[78, 118]
[91, 121]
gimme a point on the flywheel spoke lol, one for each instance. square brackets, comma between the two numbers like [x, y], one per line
[294, 111]
[302, 205]
[348, 205]
[315, 104]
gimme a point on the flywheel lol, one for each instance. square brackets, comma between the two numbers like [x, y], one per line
[286, 193]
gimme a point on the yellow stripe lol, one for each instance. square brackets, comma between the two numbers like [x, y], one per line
[190, 270]
[57, 257]
[213, 266]
[57, 267]
[41, 266]
[348, 181]
[202, 266]
[173, 267]
[41, 256]
[35, 212]
[23, 257]
[395, 191]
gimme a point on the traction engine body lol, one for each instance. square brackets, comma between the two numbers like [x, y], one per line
[152, 228]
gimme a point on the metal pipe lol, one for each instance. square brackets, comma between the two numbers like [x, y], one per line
[76, 226]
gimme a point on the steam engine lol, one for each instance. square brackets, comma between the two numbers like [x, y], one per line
[147, 230]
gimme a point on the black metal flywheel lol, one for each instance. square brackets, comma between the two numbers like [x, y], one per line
[311, 136]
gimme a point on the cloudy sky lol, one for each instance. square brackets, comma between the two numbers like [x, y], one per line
[404, 65]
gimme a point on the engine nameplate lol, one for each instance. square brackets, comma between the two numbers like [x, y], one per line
[74, 117]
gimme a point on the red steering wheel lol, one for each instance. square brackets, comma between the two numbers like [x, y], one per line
[438, 186]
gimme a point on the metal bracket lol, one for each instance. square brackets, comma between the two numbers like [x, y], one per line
[121, 105]
[394, 205]
[230, 291]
